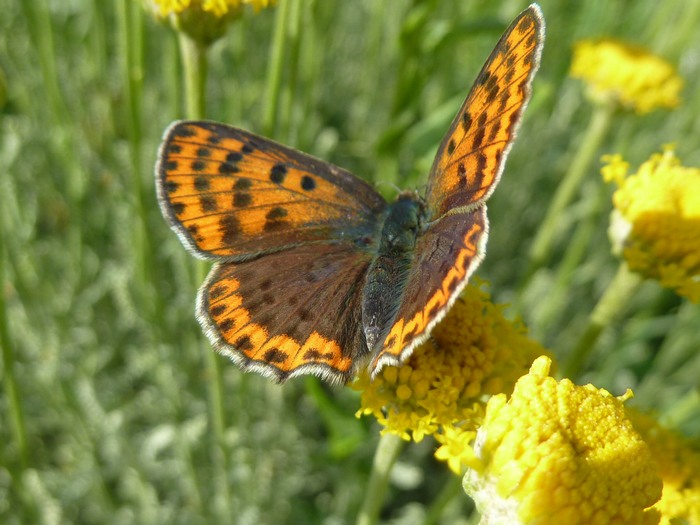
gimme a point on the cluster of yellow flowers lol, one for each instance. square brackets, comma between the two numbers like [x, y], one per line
[218, 8]
[678, 464]
[203, 20]
[619, 73]
[474, 351]
[656, 221]
[535, 450]
[532, 449]
[560, 453]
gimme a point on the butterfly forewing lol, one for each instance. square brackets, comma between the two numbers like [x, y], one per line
[231, 194]
[472, 154]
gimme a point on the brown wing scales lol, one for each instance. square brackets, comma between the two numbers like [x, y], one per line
[297, 314]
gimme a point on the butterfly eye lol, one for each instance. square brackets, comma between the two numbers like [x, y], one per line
[364, 242]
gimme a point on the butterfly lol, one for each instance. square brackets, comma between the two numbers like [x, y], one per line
[315, 273]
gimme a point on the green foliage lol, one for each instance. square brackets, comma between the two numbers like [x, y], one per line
[107, 407]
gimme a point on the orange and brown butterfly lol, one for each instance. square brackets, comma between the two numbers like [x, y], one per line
[315, 273]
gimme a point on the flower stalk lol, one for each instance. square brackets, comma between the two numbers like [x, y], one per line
[388, 450]
[274, 70]
[606, 312]
[195, 65]
[550, 229]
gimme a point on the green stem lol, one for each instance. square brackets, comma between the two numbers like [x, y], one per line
[274, 70]
[685, 409]
[576, 250]
[65, 143]
[608, 309]
[289, 89]
[130, 22]
[312, 52]
[8, 361]
[451, 490]
[39, 23]
[549, 229]
[194, 63]
[388, 449]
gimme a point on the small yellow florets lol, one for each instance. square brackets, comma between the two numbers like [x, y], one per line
[218, 8]
[203, 20]
[560, 453]
[656, 222]
[474, 351]
[679, 467]
[621, 74]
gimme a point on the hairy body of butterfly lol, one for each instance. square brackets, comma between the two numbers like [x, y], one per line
[388, 272]
[315, 272]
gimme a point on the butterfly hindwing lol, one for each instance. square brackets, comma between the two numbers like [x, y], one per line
[291, 312]
[472, 154]
[231, 194]
[446, 255]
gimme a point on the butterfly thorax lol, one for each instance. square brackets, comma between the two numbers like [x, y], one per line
[389, 269]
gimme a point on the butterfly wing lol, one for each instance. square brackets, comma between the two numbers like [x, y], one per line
[230, 194]
[292, 236]
[292, 312]
[465, 171]
[446, 255]
[472, 154]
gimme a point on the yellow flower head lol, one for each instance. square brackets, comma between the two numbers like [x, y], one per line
[204, 20]
[472, 352]
[629, 76]
[679, 467]
[656, 221]
[218, 8]
[560, 453]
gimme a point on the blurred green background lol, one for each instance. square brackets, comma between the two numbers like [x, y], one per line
[110, 411]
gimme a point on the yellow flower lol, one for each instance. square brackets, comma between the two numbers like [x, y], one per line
[203, 20]
[622, 74]
[679, 467]
[560, 453]
[218, 8]
[474, 351]
[456, 446]
[656, 221]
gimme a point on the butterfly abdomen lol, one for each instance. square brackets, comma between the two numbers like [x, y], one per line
[389, 270]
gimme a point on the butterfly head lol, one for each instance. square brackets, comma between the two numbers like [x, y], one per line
[402, 224]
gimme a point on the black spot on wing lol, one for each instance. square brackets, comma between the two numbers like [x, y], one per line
[230, 229]
[208, 203]
[243, 183]
[201, 183]
[242, 199]
[308, 183]
[278, 173]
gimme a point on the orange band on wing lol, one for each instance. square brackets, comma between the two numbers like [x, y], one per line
[406, 330]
